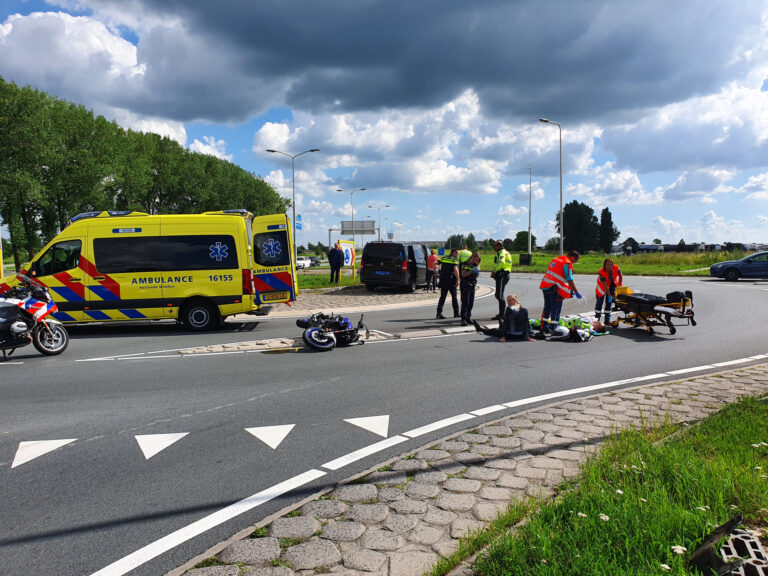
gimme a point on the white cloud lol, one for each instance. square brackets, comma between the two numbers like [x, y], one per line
[609, 186]
[534, 190]
[212, 147]
[668, 227]
[699, 185]
[462, 212]
[756, 188]
[510, 210]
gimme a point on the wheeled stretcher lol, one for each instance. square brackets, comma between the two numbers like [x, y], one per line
[646, 310]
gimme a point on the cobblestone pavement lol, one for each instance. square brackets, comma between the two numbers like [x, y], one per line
[399, 518]
[357, 299]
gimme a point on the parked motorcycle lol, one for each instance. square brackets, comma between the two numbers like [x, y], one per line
[323, 332]
[25, 319]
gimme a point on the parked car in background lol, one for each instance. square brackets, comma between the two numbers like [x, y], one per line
[393, 264]
[303, 262]
[314, 261]
[752, 266]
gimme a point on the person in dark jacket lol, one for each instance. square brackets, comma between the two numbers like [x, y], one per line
[449, 281]
[469, 270]
[514, 325]
[336, 260]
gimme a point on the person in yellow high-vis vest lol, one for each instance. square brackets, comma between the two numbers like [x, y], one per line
[556, 286]
[502, 266]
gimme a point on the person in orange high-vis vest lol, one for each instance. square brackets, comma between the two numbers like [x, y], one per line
[556, 286]
[608, 278]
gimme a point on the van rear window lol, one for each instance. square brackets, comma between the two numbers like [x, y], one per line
[271, 249]
[382, 251]
[164, 253]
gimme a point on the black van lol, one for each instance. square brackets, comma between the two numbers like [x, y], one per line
[393, 264]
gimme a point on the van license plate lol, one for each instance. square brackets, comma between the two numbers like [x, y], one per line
[382, 273]
[273, 296]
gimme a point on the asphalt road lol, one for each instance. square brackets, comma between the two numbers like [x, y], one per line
[78, 509]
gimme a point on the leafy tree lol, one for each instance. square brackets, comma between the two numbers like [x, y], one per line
[508, 243]
[608, 233]
[455, 241]
[322, 248]
[471, 242]
[520, 243]
[487, 244]
[580, 227]
[553, 244]
[630, 243]
[656, 241]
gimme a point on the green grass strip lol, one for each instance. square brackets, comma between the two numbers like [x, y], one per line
[639, 497]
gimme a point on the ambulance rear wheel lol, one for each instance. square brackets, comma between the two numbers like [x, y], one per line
[200, 315]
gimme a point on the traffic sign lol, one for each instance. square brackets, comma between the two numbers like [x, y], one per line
[298, 222]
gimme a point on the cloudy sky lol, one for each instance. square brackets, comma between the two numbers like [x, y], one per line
[433, 105]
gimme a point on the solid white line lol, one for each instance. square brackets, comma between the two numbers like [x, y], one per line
[581, 390]
[758, 357]
[732, 362]
[383, 333]
[363, 452]
[150, 551]
[488, 410]
[687, 370]
[6, 363]
[217, 353]
[146, 357]
[104, 359]
[437, 425]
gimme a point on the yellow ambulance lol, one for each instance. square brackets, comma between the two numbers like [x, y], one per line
[196, 268]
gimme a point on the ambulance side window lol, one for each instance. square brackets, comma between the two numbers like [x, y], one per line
[60, 257]
[271, 249]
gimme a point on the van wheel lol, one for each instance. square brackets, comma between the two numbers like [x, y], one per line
[412, 285]
[200, 315]
[370, 287]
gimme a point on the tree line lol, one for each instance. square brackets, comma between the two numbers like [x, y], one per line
[57, 160]
[581, 232]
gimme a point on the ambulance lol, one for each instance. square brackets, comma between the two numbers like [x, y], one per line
[195, 268]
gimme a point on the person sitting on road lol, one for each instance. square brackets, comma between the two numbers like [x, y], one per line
[514, 325]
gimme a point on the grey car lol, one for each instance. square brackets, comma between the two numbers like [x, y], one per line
[752, 266]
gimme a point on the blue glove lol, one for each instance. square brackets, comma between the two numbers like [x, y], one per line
[577, 294]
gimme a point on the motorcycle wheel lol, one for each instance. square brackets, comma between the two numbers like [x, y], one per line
[50, 343]
[319, 339]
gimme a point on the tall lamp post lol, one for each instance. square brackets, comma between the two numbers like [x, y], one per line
[293, 190]
[379, 209]
[530, 196]
[352, 203]
[560, 129]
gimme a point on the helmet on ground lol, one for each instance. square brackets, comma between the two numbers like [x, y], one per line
[560, 333]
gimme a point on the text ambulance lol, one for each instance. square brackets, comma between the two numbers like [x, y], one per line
[197, 268]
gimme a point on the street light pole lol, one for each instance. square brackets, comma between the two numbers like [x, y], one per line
[530, 195]
[379, 209]
[560, 129]
[352, 203]
[293, 191]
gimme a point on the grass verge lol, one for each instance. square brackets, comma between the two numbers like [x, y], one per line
[640, 497]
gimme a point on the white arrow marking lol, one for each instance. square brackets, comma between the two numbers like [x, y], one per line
[30, 450]
[272, 436]
[151, 444]
[376, 424]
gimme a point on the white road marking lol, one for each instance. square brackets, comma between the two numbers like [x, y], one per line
[732, 362]
[272, 436]
[376, 424]
[687, 370]
[153, 550]
[151, 444]
[30, 450]
[363, 452]
[147, 357]
[488, 410]
[383, 333]
[535, 399]
[6, 363]
[437, 425]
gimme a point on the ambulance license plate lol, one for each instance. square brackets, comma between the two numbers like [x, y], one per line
[382, 273]
[274, 296]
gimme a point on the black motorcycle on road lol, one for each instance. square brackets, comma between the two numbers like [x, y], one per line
[25, 319]
[323, 332]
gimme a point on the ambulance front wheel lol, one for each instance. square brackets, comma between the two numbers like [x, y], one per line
[200, 315]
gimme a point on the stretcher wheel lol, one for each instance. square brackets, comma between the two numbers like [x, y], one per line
[693, 322]
[672, 330]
